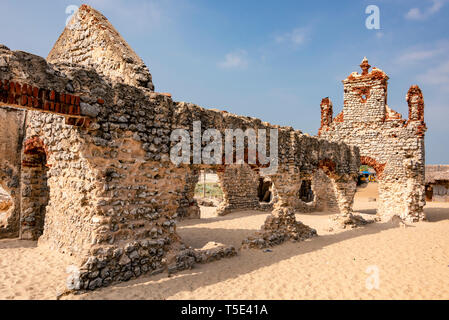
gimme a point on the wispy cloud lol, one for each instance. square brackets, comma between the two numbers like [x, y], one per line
[418, 14]
[438, 75]
[296, 37]
[235, 60]
[432, 59]
[420, 54]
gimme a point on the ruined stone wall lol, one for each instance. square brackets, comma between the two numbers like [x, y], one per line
[188, 206]
[114, 195]
[11, 136]
[90, 40]
[239, 184]
[392, 146]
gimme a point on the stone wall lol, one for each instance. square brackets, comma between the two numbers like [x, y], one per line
[188, 206]
[114, 195]
[394, 147]
[90, 40]
[239, 184]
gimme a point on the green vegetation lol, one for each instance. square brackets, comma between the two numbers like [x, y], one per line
[213, 190]
[364, 168]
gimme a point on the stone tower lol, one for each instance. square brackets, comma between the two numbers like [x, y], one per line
[393, 146]
[91, 40]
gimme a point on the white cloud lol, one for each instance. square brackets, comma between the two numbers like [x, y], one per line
[419, 54]
[296, 37]
[236, 59]
[417, 14]
[438, 75]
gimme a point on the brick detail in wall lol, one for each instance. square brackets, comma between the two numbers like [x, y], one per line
[28, 97]
[378, 167]
[35, 153]
[328, 166]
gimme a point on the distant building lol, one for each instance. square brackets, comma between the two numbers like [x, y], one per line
[437, 183]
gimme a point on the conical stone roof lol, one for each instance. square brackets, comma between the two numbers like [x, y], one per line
[90, 40]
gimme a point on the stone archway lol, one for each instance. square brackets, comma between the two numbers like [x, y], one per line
[378, 167]
[34, 189]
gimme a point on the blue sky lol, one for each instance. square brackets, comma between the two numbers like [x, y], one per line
[271, 60]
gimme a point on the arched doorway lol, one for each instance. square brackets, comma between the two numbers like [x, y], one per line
[35, 189]
[366, 198]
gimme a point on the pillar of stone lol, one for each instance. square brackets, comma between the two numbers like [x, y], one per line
[323, 189]
[239, 184]
[188, 206]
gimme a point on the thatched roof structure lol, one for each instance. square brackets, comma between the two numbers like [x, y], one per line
[436, 173]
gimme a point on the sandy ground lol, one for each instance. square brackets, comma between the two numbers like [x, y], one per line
[409, 263]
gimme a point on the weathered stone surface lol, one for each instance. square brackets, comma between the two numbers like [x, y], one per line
[394, 147]
[106, 188]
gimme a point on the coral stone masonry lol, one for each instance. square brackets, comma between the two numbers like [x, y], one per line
[85, 157]
[393, 146]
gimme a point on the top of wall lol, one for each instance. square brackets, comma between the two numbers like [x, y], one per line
[90, 40]
[366, 75]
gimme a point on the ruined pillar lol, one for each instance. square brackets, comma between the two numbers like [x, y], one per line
[327, 114]
[188, 206]
[239, 184]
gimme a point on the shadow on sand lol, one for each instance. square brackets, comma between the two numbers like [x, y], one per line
[248, 260]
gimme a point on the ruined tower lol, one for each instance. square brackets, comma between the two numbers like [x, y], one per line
[393, 146]
[90, 40]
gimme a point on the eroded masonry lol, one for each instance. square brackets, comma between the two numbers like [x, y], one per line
[393, 146]
[85, 157]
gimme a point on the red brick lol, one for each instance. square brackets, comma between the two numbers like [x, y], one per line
[36, 103]
[100, 101]
[23, 100]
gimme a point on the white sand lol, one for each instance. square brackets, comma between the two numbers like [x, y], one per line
[413, 263]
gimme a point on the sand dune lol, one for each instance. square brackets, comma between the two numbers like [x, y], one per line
[412, 263]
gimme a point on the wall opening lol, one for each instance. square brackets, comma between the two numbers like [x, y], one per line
[367, 194]
[35, 193]
[429, 192]
[264, 191]
[6, 207]
[208, 193]
[305, 191]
